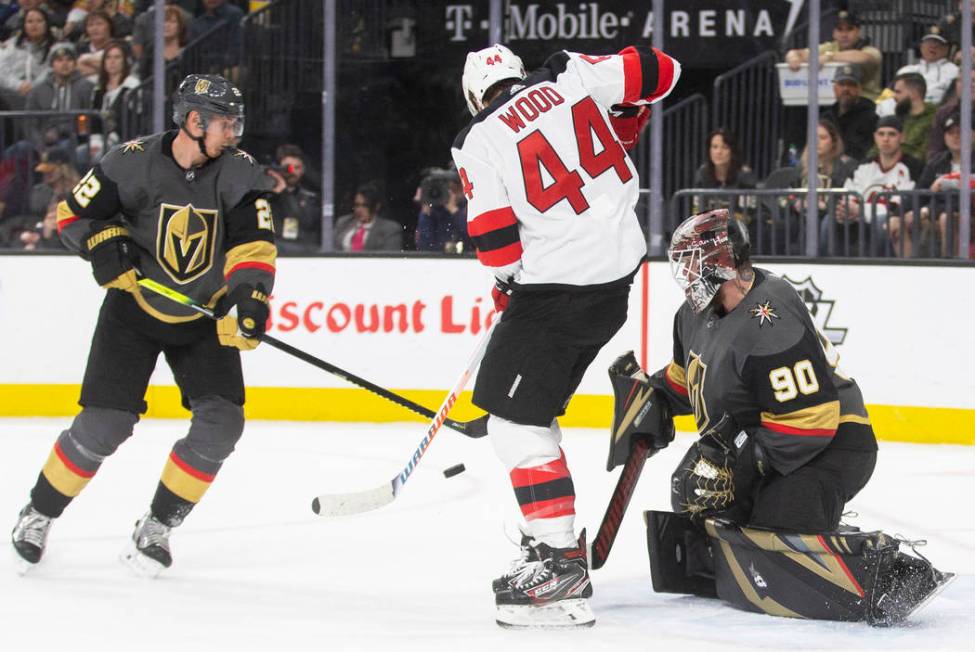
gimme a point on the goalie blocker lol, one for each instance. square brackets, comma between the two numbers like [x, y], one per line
[843, 575]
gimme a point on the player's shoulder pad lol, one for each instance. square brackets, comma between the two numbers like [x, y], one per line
[120, 162]
[245, 170]
[778, 319]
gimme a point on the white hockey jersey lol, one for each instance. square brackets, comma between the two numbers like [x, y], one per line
[870, 179]
[551, 193]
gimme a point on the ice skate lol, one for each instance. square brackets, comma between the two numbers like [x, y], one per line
[147, 553]
[29, 536]
[527, 554]
[905, 585]
[547, 587]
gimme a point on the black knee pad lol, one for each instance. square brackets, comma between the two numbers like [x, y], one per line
[100, 431]
[216, 427]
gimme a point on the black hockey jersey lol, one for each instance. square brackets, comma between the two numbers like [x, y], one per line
[767, 365]
[198, 231]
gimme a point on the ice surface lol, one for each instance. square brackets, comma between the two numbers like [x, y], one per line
[255, 569]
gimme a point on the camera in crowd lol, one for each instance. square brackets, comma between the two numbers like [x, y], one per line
[435, 186]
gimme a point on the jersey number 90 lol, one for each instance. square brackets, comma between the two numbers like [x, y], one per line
[788, 383]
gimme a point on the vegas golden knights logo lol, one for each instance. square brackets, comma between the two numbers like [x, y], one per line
[696, 373]
[186, 241]
[202, 86]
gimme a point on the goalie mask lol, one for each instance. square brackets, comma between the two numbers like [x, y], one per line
[705, 251]
[485, 68]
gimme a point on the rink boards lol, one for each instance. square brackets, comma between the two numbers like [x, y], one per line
[904, 332]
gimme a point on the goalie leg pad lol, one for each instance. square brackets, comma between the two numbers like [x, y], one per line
[847, 576]
[680, 555]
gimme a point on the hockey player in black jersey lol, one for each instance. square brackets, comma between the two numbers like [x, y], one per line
[189, 210]
[785, 442]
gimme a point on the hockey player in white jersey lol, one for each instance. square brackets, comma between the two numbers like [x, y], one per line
[551, 196]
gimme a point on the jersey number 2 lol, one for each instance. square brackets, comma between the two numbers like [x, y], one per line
[536, 152]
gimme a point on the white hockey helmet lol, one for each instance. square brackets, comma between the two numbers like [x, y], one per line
[485, 68]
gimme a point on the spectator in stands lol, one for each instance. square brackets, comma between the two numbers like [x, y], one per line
[856, 116]
[951, 27]
[891, 169]
[99, 32]
[23, 59]
[75, 23]
[915, 114]
[936, 139]
[64, 89]
[835, 167]
[224, 44]
[938, 72]
[940, 174]
[848, 46]
[44, 236]
[59, 177]
[363, 229]
[143, 32]
[14, 22]
[441, 225]
[297, 211]
[175, 35]
[723, 168]
[115, 81]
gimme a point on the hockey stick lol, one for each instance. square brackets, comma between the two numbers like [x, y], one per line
[619, 501]
[474, 428]
[364, 501]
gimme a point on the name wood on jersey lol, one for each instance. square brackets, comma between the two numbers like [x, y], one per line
[530, 106]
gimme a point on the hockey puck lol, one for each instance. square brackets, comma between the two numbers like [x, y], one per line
[453, 470]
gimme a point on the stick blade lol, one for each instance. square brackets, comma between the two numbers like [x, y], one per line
[329, 505]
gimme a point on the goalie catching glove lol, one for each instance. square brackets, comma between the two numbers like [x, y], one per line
[638, 411]
[719, 470]
[113, 256]
[250, 323]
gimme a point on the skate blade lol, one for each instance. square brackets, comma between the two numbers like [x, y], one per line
[562, 614]
[948, 578]
[138, 563]
[22, 566]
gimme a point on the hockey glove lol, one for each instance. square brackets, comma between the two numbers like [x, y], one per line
[719, 470]
[501, 293]
[250, 323]
[113, 257]
[628, 122]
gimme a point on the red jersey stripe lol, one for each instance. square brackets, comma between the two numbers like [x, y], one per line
[66, 221]
[799, 432]
[665, 74]
[189, 470]
[677, 387]
[499, 218]
[501, 257]
[71, 466]
[547, 472]
[632, 74]
[264, 267]
[549, 508]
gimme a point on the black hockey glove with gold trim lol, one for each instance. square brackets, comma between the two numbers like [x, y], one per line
[113, 257]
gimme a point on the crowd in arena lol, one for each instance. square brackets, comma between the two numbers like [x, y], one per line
[878, 143]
